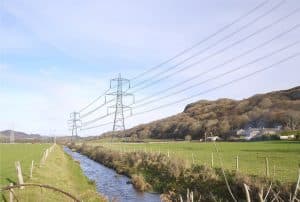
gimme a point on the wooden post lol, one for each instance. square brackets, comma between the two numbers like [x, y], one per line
[297, 188]
[31, 168]
[19, 173]
[267, 166]
[188, 195]
[180, 198]
[246, 188]
[46, 155]
[237, 164]
[168, 153]
[212, 159]
[11, 194]
[193, 158]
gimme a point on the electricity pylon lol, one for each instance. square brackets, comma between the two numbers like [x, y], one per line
[12, 137]
[121, 86]
[75, 124]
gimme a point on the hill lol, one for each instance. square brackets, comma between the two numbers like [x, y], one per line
[21, 136]
[224, 116]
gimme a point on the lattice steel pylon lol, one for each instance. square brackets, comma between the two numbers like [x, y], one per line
[121, 85]
[75, 124]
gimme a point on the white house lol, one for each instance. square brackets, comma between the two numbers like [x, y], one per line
[240, 132]
[213, 138]
[287, 137]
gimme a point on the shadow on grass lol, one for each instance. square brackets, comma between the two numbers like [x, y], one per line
[3, 197]
[10, 181]
[284, 142]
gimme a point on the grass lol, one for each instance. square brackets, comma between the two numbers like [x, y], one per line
[61, 172]
[283, 156]
[25, 153]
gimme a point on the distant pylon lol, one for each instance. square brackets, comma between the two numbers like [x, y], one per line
[120, 85]
[12, 136]
[75, 124]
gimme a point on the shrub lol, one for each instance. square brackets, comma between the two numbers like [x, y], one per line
[139, 183]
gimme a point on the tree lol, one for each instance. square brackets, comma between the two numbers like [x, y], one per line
[265, 103]
[224, 127]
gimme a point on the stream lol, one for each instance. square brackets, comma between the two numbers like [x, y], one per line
[109, 183]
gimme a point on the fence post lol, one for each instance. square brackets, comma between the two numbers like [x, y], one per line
[19, 173]
[267, 166]
[43, 159]
[46, 155]
[193, 158]
[212, 159]
[237, 163]
[31, 169]
[246, 188]
[11, 194]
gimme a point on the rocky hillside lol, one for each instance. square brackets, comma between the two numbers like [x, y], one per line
[222, 117]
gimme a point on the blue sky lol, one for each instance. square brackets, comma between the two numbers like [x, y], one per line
[56, 56]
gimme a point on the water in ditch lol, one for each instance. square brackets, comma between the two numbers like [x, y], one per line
[109, 183]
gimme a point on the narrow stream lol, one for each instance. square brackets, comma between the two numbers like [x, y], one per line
[109, 183]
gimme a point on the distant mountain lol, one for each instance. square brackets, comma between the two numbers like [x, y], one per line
[21, 136]
[224, 116]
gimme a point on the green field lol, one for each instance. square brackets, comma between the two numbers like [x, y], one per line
[25, 153]
[283, 156]
[59, 171]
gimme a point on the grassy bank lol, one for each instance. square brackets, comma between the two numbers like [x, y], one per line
[283, 156]
[173, 176]
[62, 172]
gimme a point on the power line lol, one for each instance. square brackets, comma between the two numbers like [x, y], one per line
[279, 20]
[96, 119]
[94, 101]
[97, 126]
[213, 45]
[202, 41]
[221, 75]
[181, 53]
[97, 108]
[213, 68]
[227, 83]
[219, 86]
[119, 95]
[74, 123]
[217, 52]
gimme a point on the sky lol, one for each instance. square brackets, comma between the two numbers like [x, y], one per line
[57, 56]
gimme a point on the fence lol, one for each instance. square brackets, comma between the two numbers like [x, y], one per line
[15, 191]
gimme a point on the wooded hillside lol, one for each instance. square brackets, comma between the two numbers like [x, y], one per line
[222, 117]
